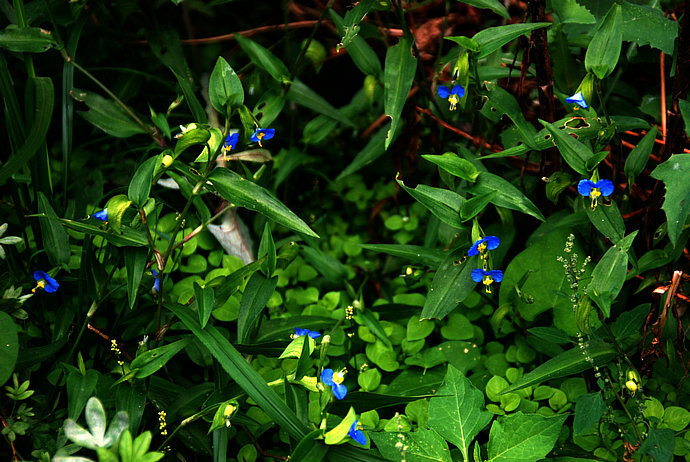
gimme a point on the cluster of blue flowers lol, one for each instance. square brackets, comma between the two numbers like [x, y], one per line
[483, 274]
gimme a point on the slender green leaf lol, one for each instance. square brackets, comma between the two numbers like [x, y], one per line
[501, 102]
[79, 389]
[523, 437]
[257, 292]
[140, 186]
[245, 193]
[638, 157]
[398, 76]
[507, 196]
[493, 5]
[450, 286]
[9, 346]
[352, 20]
[129, 236]
[419, 254]
[493, 38]
[191, 138]
[149, 362]
[375, 148]
[267, 248]
[474, 206]
[55, 239]
[264, 59]
[455, 165]
[226, 286]
[609, 274]
[224, 87]
[330, 267]
[608, 220]
[305, 96]
[464, 42]
[675, 173]
[205, 300]
[359, 50]
[135, 262]
[339, 432]
[26, 39]
[107, 115]
[443, 203]
[605, 48]
[310, 448]
[574, 153]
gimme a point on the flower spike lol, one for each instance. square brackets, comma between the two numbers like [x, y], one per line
[355, 432]
[486, 277]
[594, 190]
[453, 96]
[45, 282]
[482, 245]
[102, 215]
[262, 134]
[335, 381]
[301, 332]
[579, 99]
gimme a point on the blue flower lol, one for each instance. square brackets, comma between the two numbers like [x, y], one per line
[356, 433]
[578, 99]
[102, 215]
[335, 381]
[156, 282]
[594, 190]
[453, 96]
[300, 332]
[263, 134]
[487, 277]
[488, 243]
[45, 282]
[231, 141]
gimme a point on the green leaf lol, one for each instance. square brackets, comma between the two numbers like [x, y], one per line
[507, 196]
[464, 42]
[117, 205]
[305, 96]
[256, 294]
[574, 153]
[571, 12]
[295, 348]
[609, 274]
[523, 437]
[369, 320]
[573, 361]
[361, 53]
[493, 5]
[264, 59]
[416, 253]
[374, 149]
[398, 76]
[55, 239]
[224, 87]
[205, 300]
[474, 206]
[191, 138]
[9, 346]
[501, 102]
[422, 446]
[644, 25]
[638, 157]
[352, 19]
[608, 220]
[129, 236]
[457, 413]
[242, 373]
[248, 194]
[339, 432]
[310, 449]
[79, 389]
[675, 173]
[140, 186]
[455, 165]
[684, 107]
[107, 115]
[26, 39]
[225, 287]
[493, 38]
[149, 362]
[659, 444]
[588, 410]
[443, 203]
[605, 48]
[42, 114]
[267, 248]
[135, 262]
[450, 286]
[330, 267]
[558, 182]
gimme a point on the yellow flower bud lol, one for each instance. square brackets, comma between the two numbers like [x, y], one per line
[167, 160]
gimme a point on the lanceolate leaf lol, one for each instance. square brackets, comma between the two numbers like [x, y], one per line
[140, 186]
[493, 5]
[224, 87]
[259, 289]
[107, 115]
[305, 96]
[609, 274]
[608, 220]
[9, 346]
[493, 38]
[574, 153]
[28, 39]
[55, 239]
[263, 58]
[507, 195]
[675, 173]
[150, 361]
[638, 157]
[135, 262]
[443, 203]
[398, 76]
[605, 48]
[450, 286]
[455, 165]
[416, 253]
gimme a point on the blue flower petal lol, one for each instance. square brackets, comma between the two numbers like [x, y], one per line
[492, 242]
[443, 92]
[474, 250]
[300, 332]
[102, 215]
[157, 281]
[478, 274]
[313, 334]
[231, 141]
[269, 133]
[327, 377]
[458, 90]
[578, 99]
[496, 275]
[584, 187]
[605, 186]
[51, 285]
[339, 390]
[357, 434]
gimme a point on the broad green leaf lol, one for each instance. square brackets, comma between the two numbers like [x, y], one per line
[493, 38]
[135, 262]
[638, 157]
[630, 322]
[608, 220]
[443, 203]
[574, 153]
[588, 410]
[55, 239]
[674, 173]
[571, 12]
[457, 413]
[117, 205]
[339, 432]
[493, 5]
[129, 236]
[305, 96]
[352, 19]
[644, 25]
[295, 348]
[659, 444]
[523, 437]
[359, 50]
[422, 446]
[474, 206]
[107, 115]
[257, 292]
[140, 186]
[398, 76]
[609, 274]
[242, 373]
[42, 115]
[507, 195]
[26, 39]
[455, 165]
[149, 362]
[573, 361]
[450, 286]
[264, 59]
[205, 300]
[248, 194]
[79, 389]
[9, 346]
[605, 48]
[419, 254]
[501, 102]
[224, 87]
[190, 138]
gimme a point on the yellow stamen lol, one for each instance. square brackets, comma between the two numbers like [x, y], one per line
[39, 285]
[260, 137]
[453, 100]
[339, 377]
[481, 247]
[487, 283]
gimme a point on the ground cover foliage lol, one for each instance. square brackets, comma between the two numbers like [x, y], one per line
[348, 231]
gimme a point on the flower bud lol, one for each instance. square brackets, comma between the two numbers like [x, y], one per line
[167, 160]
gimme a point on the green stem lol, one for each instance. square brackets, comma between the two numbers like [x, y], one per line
[303, 51]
